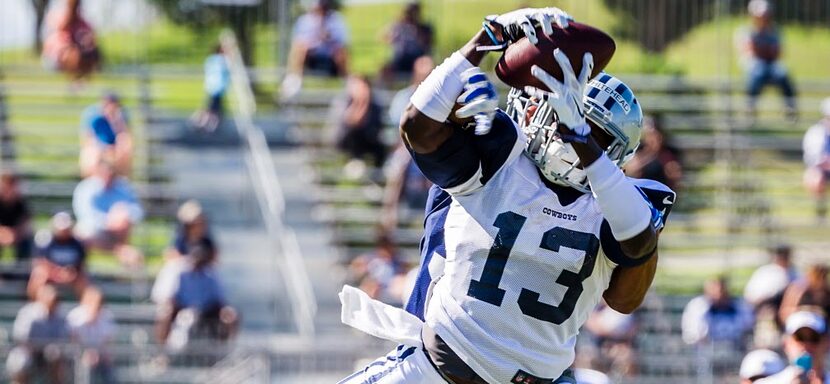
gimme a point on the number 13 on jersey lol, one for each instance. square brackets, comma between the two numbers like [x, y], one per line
[510, 224]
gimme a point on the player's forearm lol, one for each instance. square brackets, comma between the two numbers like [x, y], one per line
[424, 124]
[629, 285]
[624, 207]
[470, 51]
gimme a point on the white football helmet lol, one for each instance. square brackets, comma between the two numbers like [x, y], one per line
[610, 105]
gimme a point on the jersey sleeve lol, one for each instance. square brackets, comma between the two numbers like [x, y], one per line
[660, 199]
[465, 162]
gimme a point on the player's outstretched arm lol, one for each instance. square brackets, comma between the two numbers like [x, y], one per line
[624, 207]
[629, 285]
[428, 122]
[429, 119]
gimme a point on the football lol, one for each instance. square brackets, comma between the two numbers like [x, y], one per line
[514, 65]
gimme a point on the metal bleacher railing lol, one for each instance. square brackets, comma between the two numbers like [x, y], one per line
[269, 193]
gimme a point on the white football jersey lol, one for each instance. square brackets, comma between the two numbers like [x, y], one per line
[525, 263]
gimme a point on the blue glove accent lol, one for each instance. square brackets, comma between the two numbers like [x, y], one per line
[573, 137]
[478, 92]
[477, 78]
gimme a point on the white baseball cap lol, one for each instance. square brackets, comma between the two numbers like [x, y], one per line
[805, 319]
[62, 221]
[825, 107]
[761, 363]
[758, 7]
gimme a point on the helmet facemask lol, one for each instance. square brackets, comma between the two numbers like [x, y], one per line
[556, 159]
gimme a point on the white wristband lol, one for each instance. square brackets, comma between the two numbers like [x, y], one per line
[435, 96]
[623, 206]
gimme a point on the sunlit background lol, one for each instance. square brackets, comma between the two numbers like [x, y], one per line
[296, 209]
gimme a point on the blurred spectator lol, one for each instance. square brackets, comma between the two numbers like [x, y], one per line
[613, 335]
[406, 187]
[359, 121]
[217, 78]
[769, 281]
[198, 304]
[70, 44]
[764, 292]
[107, 209]
[716, 316]
[318, 43]
[38, 330]
[92, 326]
[406, 190]
[420, 70]
[106, 133]
[60, 258]
[655, 159]
[806, 348]
[812, 291]
[380, 273]
[15, 218]
[759, 364]
[192, 229]
[410, 38]
[762, 49]
[816, 147]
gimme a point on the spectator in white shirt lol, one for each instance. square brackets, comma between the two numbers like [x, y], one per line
[816, 147]
[38, 330]
[107, 209]
[769, 281]
[318, 43]
[93, 328]
[765, 292]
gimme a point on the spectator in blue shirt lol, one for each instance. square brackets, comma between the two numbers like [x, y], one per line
[107, 208]
[763, 47]
[410, 38]
[198, 303]
[105, 133]
[217, 78]
[60, 257]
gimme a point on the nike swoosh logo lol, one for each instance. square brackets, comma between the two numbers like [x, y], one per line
[667, 200]
[578, 107]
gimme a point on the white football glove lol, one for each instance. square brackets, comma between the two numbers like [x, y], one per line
[566, 96]
[478, 100]
[523, 22]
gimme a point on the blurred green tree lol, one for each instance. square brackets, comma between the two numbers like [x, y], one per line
[655, 24]
[239, 15]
